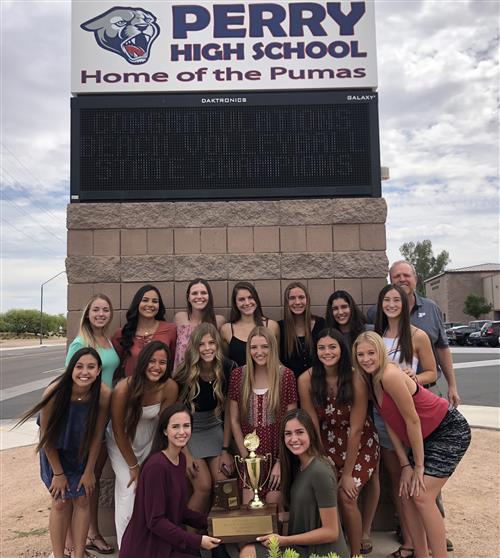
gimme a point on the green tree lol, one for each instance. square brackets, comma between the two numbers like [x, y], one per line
[20, 321]
[421, 256]
[476, 306]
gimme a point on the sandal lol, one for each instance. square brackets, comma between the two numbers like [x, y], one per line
[409, 553]
[68, 552]
[366, 546]
[98, 544]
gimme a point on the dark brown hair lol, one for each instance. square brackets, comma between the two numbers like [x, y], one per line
[235, 313]
[61, 397]
[208, 313]
[357, 320]
[404, 345]
[160, 440]
[290, 463]
[291, 339]
[129, 329]
[137, 385]
[345, 391]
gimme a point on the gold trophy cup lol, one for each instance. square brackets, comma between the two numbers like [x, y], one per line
[252, 464]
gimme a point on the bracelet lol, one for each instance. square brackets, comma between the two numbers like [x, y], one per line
[58, 474]
[134, 466]
[407, 465]
[225, 448]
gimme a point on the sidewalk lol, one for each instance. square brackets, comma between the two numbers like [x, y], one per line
[27, 434]
[10, 344]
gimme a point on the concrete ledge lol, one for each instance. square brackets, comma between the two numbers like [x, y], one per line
[481, 417]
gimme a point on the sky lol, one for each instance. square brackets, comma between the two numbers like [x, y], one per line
[438, 106]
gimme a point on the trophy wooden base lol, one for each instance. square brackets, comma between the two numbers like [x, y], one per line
[242, 525]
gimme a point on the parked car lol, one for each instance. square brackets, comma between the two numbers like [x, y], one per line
[449, 325]
[475, 339]
[460, 334]
[478, 324]
[457, 335]
[490, 333]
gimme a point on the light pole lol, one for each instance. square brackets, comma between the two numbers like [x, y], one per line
[41, 304]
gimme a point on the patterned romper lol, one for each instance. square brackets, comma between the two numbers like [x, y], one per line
[334, 428]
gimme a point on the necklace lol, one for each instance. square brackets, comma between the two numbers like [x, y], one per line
[145, 333]
[302, 467]
[174, 460]
[211, 378]
[82, 397]
[148, 330]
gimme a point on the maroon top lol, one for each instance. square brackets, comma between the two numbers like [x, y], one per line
[431, 410]
[160, 509]
[259, 416]
[166, 332]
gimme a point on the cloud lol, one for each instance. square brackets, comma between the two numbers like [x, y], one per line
[438, 89]
[36, 88]
[24, 279]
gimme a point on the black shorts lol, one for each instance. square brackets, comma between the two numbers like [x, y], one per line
[445, 447]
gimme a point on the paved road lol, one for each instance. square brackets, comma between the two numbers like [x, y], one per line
[26, 371]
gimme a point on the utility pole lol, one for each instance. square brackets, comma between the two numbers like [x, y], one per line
[41, 304]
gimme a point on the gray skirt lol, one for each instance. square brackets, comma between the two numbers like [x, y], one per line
[207, 436]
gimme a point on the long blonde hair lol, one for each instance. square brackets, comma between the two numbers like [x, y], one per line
[85, 331]
[187, 374]
[273, 372]
[378, 344]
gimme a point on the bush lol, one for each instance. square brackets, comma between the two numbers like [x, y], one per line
[274, 551]
[21, 322]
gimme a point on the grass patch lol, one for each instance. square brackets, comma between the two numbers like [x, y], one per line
[31, 533]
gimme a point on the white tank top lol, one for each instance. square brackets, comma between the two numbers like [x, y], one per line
[394, 353]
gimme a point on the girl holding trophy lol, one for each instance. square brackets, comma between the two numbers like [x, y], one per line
[160, 510]
[309, 492]
[260, 393]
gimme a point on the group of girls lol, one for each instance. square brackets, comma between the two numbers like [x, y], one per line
[183, 396]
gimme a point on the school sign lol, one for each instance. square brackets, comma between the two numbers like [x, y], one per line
[185, 46]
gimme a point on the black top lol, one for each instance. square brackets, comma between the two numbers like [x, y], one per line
[301, 359]
[237, 349]
[206, 400]
[350, 338]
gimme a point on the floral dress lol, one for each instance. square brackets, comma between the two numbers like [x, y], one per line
[334, 424]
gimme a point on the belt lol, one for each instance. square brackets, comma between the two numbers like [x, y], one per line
[427, 386]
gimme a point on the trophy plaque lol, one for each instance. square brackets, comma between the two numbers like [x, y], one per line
[247, 522]
[227, 494]
[242, 525]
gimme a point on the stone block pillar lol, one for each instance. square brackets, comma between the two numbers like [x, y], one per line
[328, 244]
